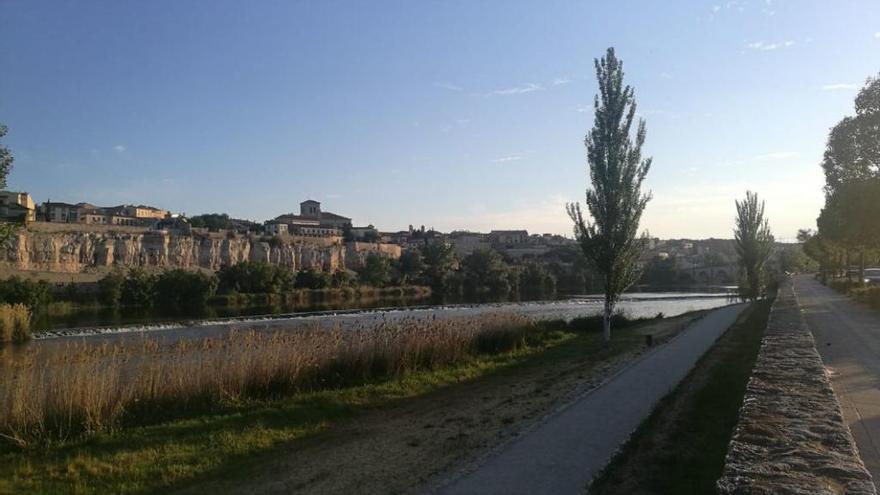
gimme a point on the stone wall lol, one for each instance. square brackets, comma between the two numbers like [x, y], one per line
[791, 436]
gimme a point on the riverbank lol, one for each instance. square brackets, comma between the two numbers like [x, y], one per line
[451, 412]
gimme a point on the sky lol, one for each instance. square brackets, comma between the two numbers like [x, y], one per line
[457, 115]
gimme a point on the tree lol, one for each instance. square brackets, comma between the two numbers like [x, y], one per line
[410, 266]
[754, 244]
[6, 229]
[615, 201]
[440, 261]
[376, 271]
[485, 274]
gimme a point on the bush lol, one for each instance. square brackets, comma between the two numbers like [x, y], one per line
[138, 289]
[180, 289]
[15, 323]
[254, 278]
[110, 288]
[34, 295]
[312, 279]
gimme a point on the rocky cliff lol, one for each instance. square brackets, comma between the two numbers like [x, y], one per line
[68, 250]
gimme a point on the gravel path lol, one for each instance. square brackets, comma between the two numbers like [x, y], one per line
[562, 455]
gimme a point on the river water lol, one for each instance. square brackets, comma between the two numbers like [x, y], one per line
[634, 305]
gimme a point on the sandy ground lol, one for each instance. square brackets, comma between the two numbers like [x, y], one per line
[412, 446]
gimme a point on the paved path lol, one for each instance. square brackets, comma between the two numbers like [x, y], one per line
[564, 453]
[848, 338]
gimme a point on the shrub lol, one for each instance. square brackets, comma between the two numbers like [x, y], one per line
[312, 279]
[15, 323]
[179, 289]
[16, 290]
[110, 288]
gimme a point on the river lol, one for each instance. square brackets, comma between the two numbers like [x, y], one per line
[634, 305]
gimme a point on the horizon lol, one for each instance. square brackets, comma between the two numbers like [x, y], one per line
[373, 109]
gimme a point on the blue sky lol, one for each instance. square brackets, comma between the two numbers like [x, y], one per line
[453, 114]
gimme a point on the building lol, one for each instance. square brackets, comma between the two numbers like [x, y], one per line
[17, 206]
[86, 213]
[368, 233]
[311, 221]
[508, 237]
[276, 228]
[466, 243]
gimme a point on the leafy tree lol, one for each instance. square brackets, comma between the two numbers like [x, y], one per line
[852, 153]
[312, 279]
[211, 221]
[440, 262]
[754, 244]
[614, 202]
[179, 289]
[535, 281]
[7, 230]
[33, 294]
[254, 278]
[138, 289]
[110, 288]
[376, 271]
[341, 278]
[485, 274]
[410, 266]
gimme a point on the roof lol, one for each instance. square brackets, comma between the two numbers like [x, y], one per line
[518, 232]
[290, 218]
[333, 216]
[310, 201]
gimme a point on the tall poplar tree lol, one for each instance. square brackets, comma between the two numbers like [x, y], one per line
[608, 236]
[754, 244]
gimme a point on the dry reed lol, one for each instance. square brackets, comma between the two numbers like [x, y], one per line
[83, 389]
[15, 323]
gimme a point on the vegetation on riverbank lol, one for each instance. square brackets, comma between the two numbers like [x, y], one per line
[256, 416]
[681, 447]
[15, 323]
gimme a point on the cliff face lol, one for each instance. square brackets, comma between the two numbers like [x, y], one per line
[73, 252]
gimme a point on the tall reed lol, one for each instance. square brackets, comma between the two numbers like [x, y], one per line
[15, 323]
[83, 389]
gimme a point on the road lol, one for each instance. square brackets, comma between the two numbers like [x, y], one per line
[562, 455]
[848, 338]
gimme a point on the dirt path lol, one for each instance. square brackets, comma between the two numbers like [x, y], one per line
[401, 448]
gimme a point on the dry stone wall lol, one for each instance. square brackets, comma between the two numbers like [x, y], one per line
[791, 437]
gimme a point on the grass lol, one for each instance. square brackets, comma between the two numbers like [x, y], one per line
[238, 434]
[681, 447]
[15, 323]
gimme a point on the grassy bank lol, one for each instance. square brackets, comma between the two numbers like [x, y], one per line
[681, 447]
[237, 432]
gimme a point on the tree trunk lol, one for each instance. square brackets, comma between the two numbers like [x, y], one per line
[862, 268]
[606, 321]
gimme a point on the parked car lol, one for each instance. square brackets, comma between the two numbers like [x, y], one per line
[872, 276]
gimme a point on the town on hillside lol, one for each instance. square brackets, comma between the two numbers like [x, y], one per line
[665, 262]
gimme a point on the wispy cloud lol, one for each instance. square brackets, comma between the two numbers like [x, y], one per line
[517, 90]
[877, 35]
[561, 80]
[839, 86]
[776, 155]
[765, 47]
[665, 75]
[509, 158]
[449, 86]
[119, 148]
[583, 108]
